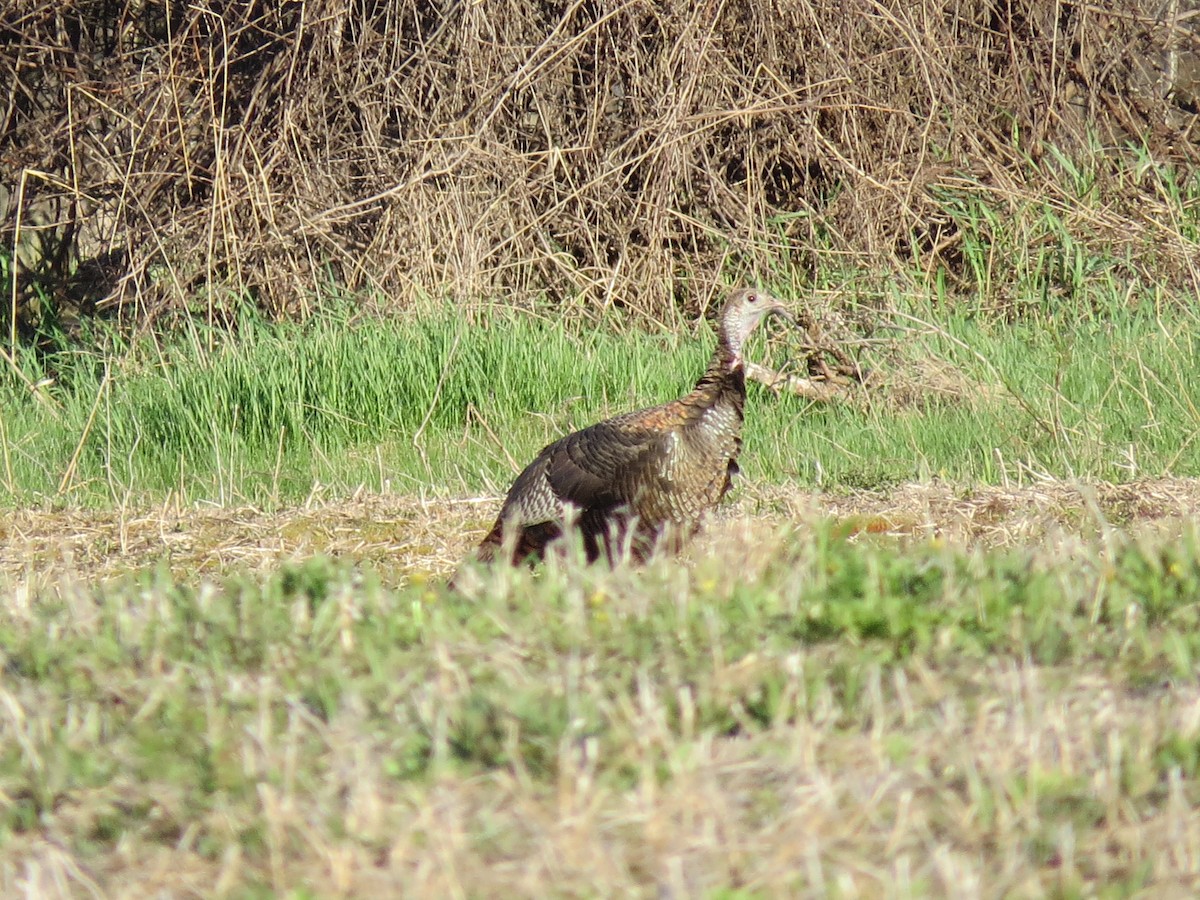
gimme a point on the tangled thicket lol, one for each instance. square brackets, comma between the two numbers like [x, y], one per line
[170, 156]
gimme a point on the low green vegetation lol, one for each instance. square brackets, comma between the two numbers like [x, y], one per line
[796, 713]
[453, 401]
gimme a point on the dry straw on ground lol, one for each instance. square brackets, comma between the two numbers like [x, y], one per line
[406, 537]
[155, 155]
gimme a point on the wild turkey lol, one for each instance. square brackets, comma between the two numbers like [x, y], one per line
[634, 480]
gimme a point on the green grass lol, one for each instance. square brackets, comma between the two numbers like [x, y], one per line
[820, 716]
[434, 403]
[1070, 353]
[260, 415]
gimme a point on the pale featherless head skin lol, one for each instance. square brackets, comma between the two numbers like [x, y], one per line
[741, 315]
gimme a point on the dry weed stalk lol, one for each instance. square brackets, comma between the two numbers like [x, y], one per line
[183, 154]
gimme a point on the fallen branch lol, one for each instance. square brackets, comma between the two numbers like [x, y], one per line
[822, 390]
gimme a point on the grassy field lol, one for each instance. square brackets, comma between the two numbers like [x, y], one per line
[452, 401]
[943, 642]
[921, 690]
[290, 292]
[910, 693]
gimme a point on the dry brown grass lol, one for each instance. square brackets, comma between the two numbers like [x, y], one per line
[154, 156]
[407, 536]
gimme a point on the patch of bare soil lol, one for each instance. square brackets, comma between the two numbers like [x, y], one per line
[414, 537]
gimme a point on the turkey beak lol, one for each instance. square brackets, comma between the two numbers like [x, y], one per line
[778, 309]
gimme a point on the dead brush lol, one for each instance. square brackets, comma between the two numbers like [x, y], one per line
[181, 159]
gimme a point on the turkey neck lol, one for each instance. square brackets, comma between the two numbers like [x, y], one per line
[723, 383]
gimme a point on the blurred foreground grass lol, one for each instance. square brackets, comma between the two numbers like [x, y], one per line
[794, 713]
